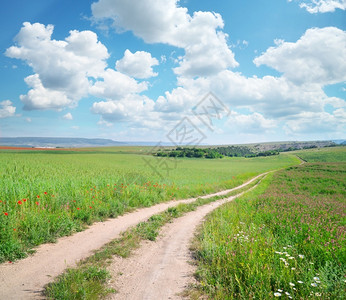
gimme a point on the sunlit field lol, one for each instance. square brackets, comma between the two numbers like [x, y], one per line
[47, 194]
[333, 154]
[284, 239]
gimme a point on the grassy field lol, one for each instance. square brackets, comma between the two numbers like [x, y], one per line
[329, 154]
[47, 194]
[284, 239]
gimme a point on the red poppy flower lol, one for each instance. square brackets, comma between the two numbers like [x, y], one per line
[45, 193]
[14, 229]
[78, 208]
[90, 206]
[38, 196]
[24, 199]
[53, 196]
[5, 213]
[37, 203]
[20, 202]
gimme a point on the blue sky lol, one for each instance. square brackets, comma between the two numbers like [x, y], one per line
[132, 70]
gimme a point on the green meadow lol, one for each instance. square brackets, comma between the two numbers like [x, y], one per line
[48, 194]
[284, 239]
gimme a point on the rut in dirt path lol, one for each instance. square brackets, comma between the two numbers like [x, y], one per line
[161, 269]
[26, 278]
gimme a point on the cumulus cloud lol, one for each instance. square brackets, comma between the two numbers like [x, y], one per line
[319, 56]
[139, 64]
[67, 116]
[323, 6]
[6, 109]
[40, 97]
[116, 85]
[252, 123]
[200, 35]
[321, 122]
[62, 67]
[136, 109]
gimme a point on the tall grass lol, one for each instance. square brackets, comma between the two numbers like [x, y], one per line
[285, 239]
[47, 195]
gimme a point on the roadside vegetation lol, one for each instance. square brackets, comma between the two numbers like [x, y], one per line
[45, 195]
[284, 239]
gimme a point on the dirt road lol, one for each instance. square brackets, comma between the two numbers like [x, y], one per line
[26, 278]
[161, 269]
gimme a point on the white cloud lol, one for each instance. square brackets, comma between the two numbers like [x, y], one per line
[116, 85]
[6, 109]
[62, 67]
[104, 123]
[139, 64]
[200, 35]
[40, 97]
[253, 123]
[67, 116]
[131, 108]
[319, 56]
[323, 6]
[321, 122]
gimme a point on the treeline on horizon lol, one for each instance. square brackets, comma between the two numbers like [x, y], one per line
[230, 151]
[212, 153]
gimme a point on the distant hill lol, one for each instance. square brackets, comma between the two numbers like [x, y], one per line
[339, 142]
[57, 142]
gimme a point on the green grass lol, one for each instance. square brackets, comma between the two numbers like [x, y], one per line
[286, 236]
[78, 283]
[329, 154]
[45, 195]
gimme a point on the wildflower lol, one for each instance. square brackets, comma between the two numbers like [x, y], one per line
[287, 293]
[280, 290]
[277, 294]
[37, 203]
[301, 256]
[38, 196]
[90, 206]
[292, 284]
[45, 193]
[293, 269]
[78, 208]
[311, 263]
[316, 279]
[24, 200]
[294, 289]
[291, 257]
[285, 248]
[318, 294]
[5, 213]
[299, 281]
[20, 202]
[314, 284]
